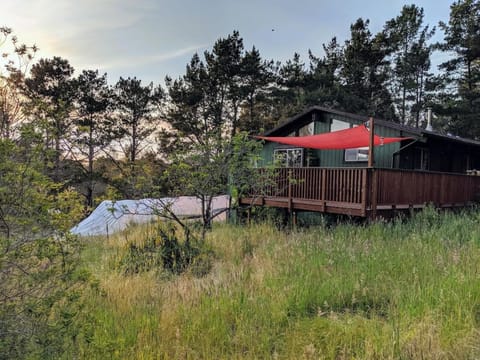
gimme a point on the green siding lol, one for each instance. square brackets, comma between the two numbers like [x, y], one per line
[267, 153]
[335, 158]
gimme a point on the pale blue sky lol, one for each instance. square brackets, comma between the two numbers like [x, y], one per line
[152, 38]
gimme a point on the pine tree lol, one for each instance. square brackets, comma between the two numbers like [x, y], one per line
[137, 114]
[50, 93]
[256, 77]
[408, 41]
[324, 86]
[364, 73]
[94, 128]
[460, 98]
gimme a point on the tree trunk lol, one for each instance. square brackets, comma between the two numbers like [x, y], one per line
[133, 148]
[90, 165]
[56, 170]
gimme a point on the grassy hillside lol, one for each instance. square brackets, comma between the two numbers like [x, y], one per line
[406, 290]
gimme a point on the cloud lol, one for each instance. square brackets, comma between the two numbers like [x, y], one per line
[129, 36]
[50, 23]
[140, 60]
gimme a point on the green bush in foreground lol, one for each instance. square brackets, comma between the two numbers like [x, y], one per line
[400, 290]
[163, 249]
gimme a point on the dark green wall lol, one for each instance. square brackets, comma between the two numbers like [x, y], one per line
[335, 158]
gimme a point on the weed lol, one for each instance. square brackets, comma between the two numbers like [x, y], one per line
[403, 289]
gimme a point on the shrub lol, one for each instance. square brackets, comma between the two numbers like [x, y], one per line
[166, 250]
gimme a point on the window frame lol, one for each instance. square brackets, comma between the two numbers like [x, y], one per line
[307, 129]
[357, 159]
[285, 163]
[341, 124]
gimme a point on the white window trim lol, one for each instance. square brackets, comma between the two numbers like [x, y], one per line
[357, 159]
[339, 124]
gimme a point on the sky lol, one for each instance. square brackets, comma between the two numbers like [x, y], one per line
[150, 39]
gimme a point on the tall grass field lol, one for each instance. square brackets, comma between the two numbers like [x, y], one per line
[387, 290]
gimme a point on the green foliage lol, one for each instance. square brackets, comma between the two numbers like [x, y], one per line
[390, 290]
[411, 62]
[163, 250]
[201, 171]
[94, 128]
[365, 72]
[218, 95]
[49, 91]
[458, 100]
[16, 58]
[136, 106]
[38, 256]
[123, 179]
[216, 167]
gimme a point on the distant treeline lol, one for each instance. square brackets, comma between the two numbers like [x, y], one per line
[97, 135]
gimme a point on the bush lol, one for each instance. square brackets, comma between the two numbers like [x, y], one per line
[164, 249]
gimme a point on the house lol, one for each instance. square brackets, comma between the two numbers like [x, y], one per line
[422, 167]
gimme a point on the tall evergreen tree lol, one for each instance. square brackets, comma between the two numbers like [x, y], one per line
[137, 112]
[94, 127]
[219, 95]
[256, 78]
[223, 65]
[364, 73]
[460, 98]
[292, 80]
[189, 113]
[137, 115]
[408, 41]
[50, 93]
[323, 87]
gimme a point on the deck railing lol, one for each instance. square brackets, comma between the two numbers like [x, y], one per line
[344, 185]
[364, 191]
[419, 187]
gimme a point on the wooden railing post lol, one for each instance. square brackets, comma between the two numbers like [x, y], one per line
[364, 199]
[323, 190]
[290, 205]
[374, 189]
[371, 154]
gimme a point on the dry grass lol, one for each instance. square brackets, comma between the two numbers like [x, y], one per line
[385, 291]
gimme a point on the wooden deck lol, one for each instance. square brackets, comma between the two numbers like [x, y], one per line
[365, 192]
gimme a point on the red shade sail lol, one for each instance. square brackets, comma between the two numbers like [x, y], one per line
[355, 137]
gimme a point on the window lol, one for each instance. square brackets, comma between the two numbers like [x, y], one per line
[339, 125]
[358, 154]
[306, 130]
[289, 157]
[421, 159]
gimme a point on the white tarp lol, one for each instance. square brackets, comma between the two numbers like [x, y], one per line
[113, 216]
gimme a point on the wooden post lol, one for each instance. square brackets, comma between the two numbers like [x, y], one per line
[374, 194]
[324, 189]
[290, 205]
[365, 195]
[373, 176]
[371, 145]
